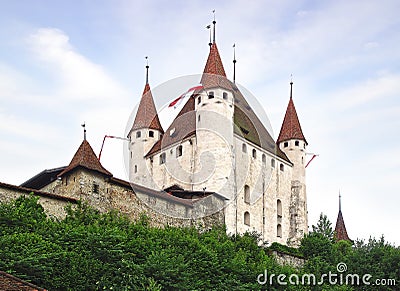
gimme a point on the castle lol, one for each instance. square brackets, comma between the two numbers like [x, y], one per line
[216, 163]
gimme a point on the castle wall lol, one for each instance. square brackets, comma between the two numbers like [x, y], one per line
[53, 206]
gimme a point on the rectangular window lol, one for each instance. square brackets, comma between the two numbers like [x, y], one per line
[95, 188]
[210, 95]
[138, 134]
[151, 133]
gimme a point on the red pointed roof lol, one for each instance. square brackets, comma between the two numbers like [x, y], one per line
[214, 64]
[340, 229]
[214, 72]
[291, 128]
[86, 158]
[146, 116]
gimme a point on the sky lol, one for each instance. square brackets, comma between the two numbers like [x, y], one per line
[63, 63]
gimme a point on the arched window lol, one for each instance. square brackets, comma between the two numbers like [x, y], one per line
[279, 208]
[198, 118]
[254, 153]
[281, 167]
[246, 194]
[225, 95]
[162, 158]
[264, 159]
[272, 163]
[179, 151]
[246, 218]
[135, 168]
[244, 148]
[279, 230]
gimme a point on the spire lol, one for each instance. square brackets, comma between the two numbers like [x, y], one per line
[84, 130]
[214, 23]
[340, 202]
[340, 228]
[147, 69]
[291, 128]
[146, 116]
[86, 158]
[234, 63]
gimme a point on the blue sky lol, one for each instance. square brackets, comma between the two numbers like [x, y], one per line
[65, 62]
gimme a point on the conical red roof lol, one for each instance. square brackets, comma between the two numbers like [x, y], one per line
[86, 158]
[214, 72]
[146, 116]
[340, 229]
[291, 128]
[214, 64]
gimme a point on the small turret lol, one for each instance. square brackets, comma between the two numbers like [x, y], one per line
[292, 142]
[340, 228]
[146, 131]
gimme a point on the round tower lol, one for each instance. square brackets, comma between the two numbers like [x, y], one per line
[292, 142]
[146, 131]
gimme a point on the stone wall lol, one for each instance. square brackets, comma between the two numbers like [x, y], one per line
[286, 259]
[54, 206]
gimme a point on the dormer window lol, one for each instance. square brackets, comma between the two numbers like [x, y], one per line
[211, 95]
[138, 134]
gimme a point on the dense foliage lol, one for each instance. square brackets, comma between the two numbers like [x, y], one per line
[93, 251]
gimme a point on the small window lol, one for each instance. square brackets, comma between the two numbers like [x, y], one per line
[151, 133]
[279, 208]
[179, 150]
[210, 95]
[199, 100]
[131, 155]
[264, 159]
[162, 158]
[246, 218]
[244, 148]
[135, 168]
[272, 163]
[198, 118]
[172, 131]
[281, 167]
[254, 153]
[138, 134]
[296, 143]
[225, 96]
[304, 145]
[95, 188]
[286, 144]
[279, 230]
[302, 160]
[246, 194]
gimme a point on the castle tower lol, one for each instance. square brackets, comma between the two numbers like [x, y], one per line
[214, 107]
[340, 228]
[292, 142]
[146, 131]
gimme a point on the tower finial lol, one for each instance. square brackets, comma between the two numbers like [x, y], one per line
[340, 202]
[234, 63]
[84, 130]
[214, 22]
[291, 86]
[147, 69]
[209, 28]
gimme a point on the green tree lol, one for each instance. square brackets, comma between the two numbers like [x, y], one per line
[324, 227]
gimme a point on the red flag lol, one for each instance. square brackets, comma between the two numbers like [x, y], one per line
[314, 155]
